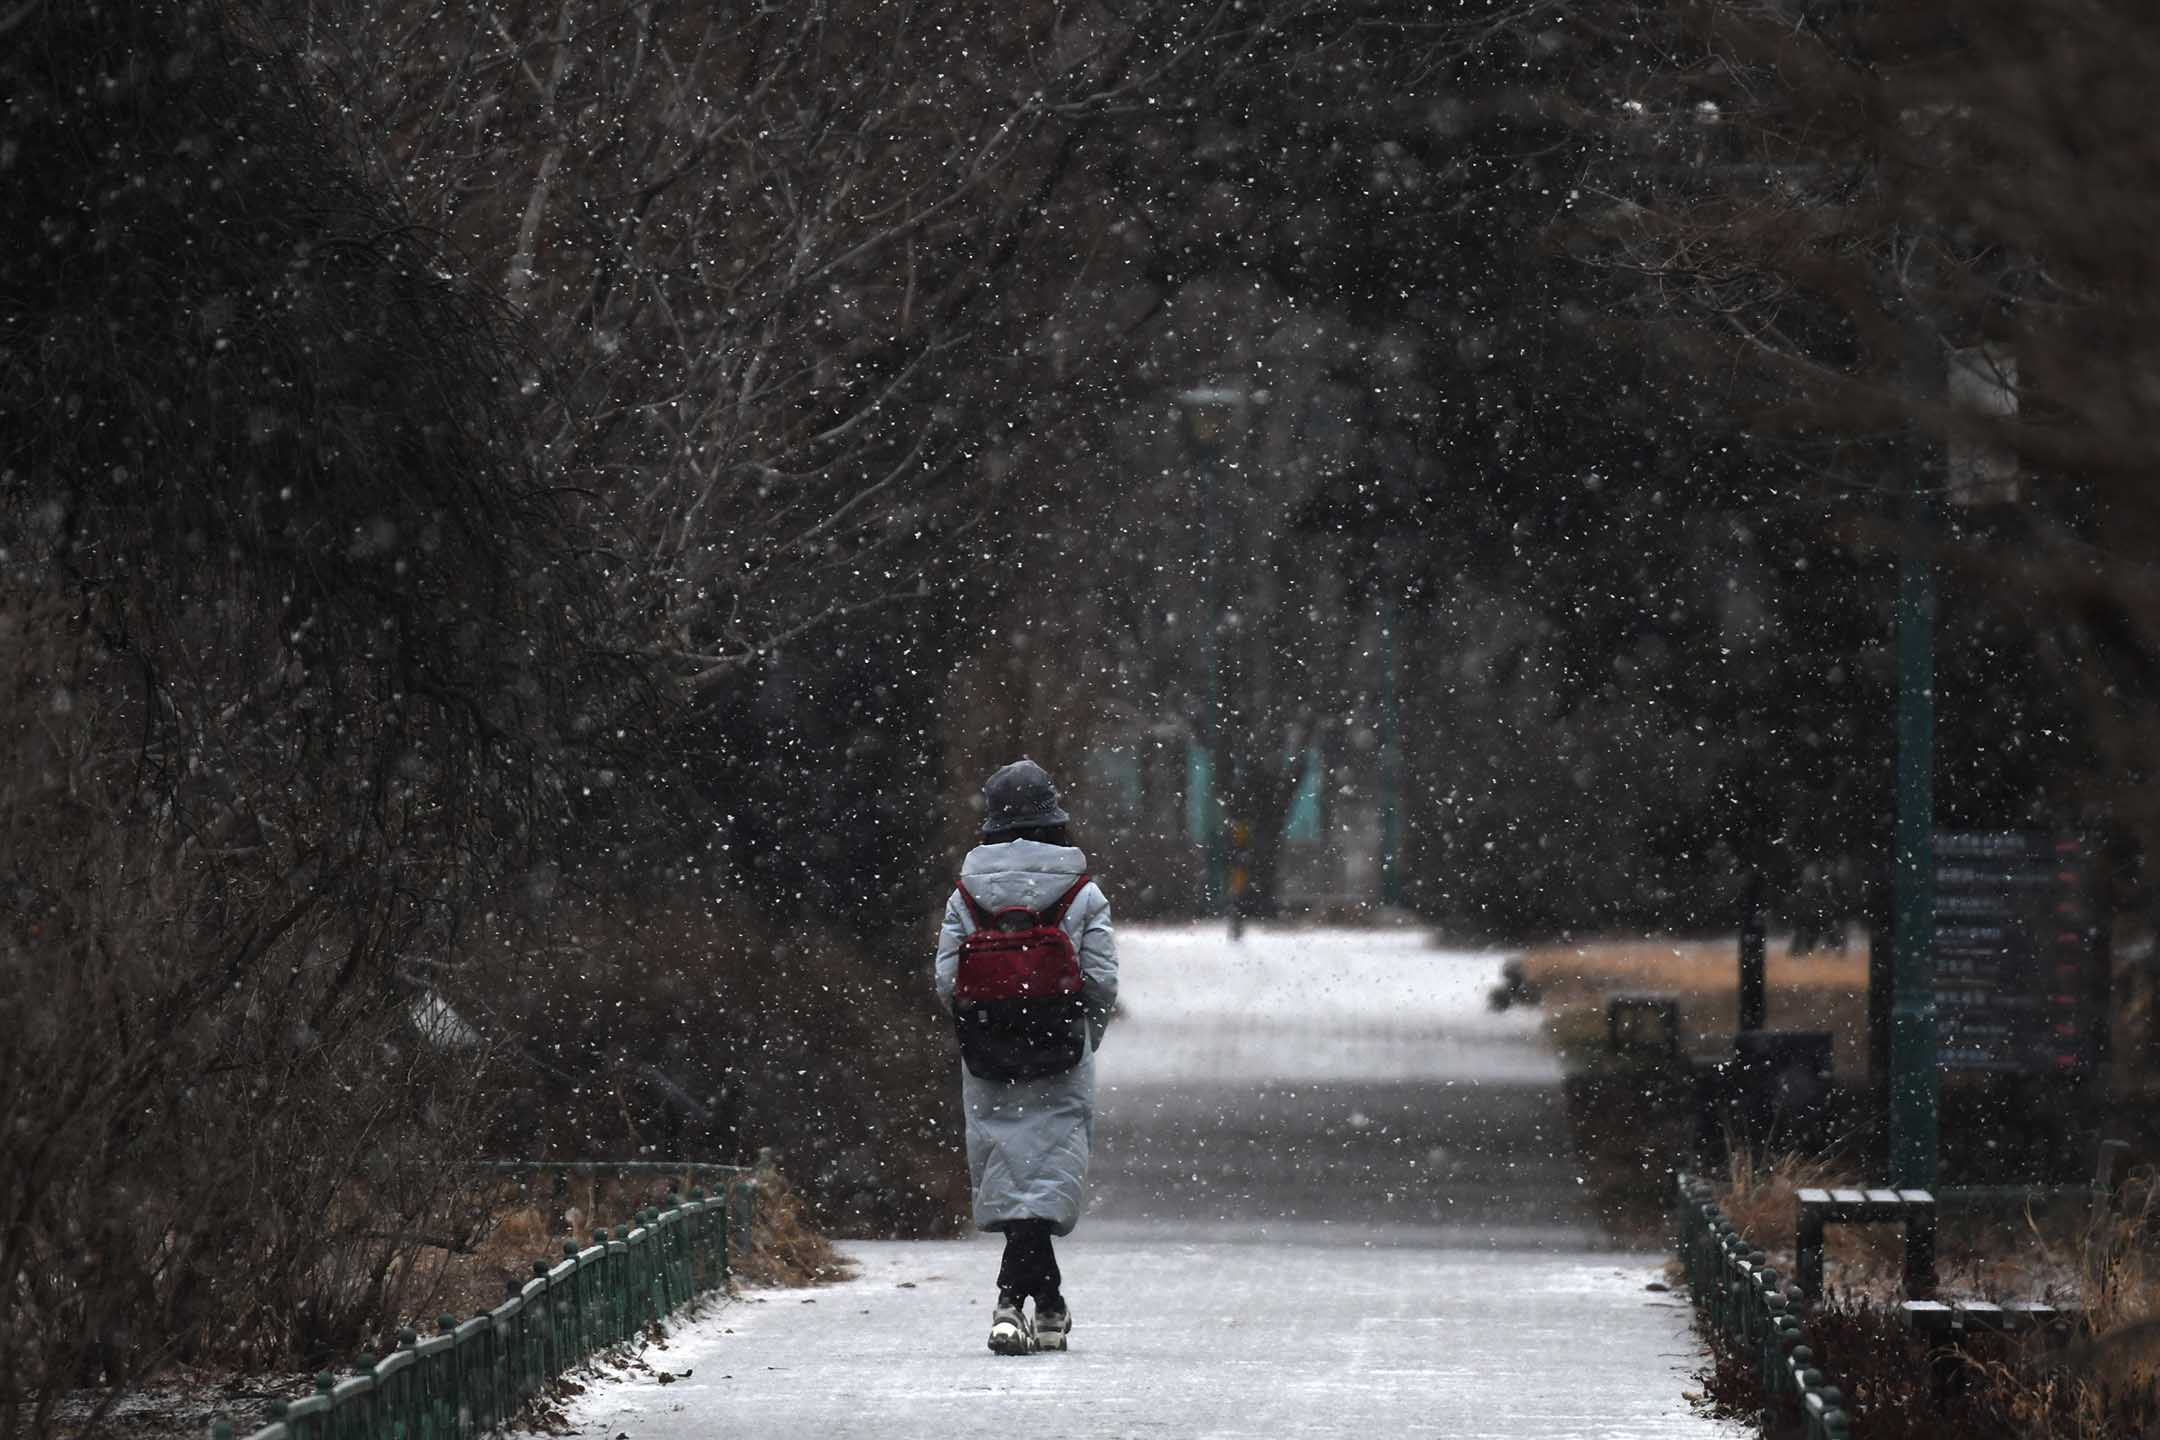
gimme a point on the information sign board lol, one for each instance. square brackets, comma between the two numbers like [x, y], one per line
[2020, 978]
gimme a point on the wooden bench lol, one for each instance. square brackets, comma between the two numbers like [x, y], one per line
[1914, 1209]
[1935, 1319]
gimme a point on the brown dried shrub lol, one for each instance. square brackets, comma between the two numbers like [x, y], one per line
[785, 1249]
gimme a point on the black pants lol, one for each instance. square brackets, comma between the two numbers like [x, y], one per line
[1030, 1268]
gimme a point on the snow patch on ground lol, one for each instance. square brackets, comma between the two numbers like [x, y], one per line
[1308, 1005]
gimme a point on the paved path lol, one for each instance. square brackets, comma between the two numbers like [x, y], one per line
[1333, 1197]
[1184, 1338]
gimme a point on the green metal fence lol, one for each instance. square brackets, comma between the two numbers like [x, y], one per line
[474, 1376]
[1735, 1291]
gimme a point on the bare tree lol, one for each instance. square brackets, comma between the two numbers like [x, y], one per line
[1900, 232]
[802, 267]
[293, 642]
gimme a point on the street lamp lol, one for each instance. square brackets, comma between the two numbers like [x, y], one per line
[1208, 411]
[1982, 381]
[1391, 737]
[1915, 1060]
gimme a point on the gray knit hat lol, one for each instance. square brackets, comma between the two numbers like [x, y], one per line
[1019, 797]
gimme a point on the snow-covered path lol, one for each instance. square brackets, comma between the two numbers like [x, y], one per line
[1178, 1338]
[1333, 1196]
[1333, 1006]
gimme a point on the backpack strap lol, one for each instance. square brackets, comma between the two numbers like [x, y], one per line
[1055, 915]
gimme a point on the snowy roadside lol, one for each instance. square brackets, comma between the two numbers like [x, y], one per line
[181, 1403]
[653, 1362]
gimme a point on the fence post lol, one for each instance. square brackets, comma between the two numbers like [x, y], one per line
[325, 1382]
[572, 1327]
[742, 1212]
[700, 1233]
[442, 1386]
[655, 1267]
[488, 1401]
[670, 1224]
[405, 1403]
[539, 1318]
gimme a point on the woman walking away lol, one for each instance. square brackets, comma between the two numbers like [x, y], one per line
[1027, 966]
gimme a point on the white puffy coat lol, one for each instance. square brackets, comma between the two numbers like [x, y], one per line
[1027, 1140]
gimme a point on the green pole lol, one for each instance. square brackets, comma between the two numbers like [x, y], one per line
[1205, 410]
[1390, 754]
[1210, 641]
[1914, 1059]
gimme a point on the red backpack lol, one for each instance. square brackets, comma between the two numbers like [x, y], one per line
[1017, 995]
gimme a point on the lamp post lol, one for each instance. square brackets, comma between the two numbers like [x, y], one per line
[1915, 1043]
[1207, 409]
[1915, 1059]
[1391, 766]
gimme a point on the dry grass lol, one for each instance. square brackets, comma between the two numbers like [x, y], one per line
[1823, 990]
[2118, 1273]
[625, 985]
[498, 1261]
[2104, 1383]
[2100, 1382]
[1980, 1255]
[1762, 1198]
[785, 1249]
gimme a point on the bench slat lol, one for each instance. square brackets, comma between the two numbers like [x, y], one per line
[1936, 1316]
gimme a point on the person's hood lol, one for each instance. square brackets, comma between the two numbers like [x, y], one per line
[1021, 872]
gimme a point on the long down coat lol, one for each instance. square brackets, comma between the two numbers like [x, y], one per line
[1027, 1140]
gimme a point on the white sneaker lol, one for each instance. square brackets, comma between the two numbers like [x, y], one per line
[1009, 1332]
[1051, 1328]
